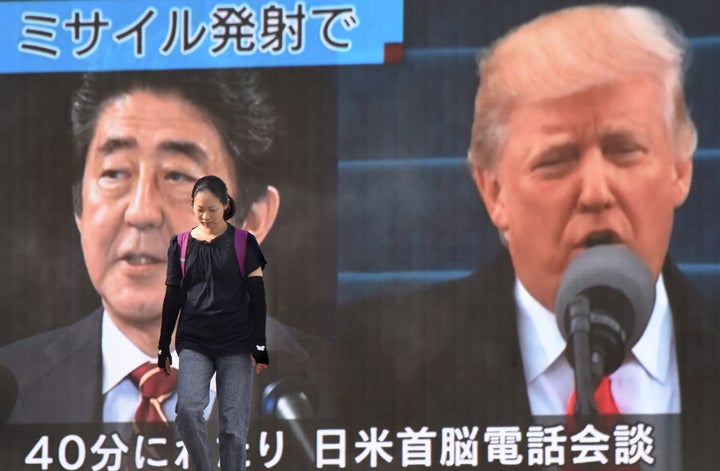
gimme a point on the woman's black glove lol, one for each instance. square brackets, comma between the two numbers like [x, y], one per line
[163, 355]
[260, 354]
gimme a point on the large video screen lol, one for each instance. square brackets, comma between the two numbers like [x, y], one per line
[408, 324]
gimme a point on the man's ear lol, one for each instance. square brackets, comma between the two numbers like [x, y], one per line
[682, 179]
[490, 189]
[262, 214]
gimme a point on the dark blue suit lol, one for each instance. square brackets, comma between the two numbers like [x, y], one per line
[449, 355]
[59, 373]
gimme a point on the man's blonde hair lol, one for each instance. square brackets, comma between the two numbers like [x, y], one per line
[574, 49]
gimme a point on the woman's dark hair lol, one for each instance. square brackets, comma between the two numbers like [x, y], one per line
[218, 188]
[233, 99]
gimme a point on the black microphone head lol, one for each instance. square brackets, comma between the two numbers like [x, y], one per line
[619, 288]
[291, 397]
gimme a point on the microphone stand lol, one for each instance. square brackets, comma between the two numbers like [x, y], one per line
[288, 399]
[585, 379]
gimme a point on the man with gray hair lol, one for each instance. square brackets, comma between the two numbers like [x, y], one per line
[581, 137]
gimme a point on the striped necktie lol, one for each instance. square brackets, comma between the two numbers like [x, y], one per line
[155, 387]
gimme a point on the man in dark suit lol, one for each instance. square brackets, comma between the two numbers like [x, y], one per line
[59, 373]
[581, 137]
[449, 355]
[143, 138]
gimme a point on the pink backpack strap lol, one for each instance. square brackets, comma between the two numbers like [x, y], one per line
[183, 242]
[241, 248]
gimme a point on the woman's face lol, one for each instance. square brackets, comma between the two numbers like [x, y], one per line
[209, 211]
[145, 156]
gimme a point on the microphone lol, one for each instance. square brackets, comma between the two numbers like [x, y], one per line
[8, 393]
[291, 399]
[602, 306]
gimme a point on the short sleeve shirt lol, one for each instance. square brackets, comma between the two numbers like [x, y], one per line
[214, 319]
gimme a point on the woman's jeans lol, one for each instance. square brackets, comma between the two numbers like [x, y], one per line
[234, 386]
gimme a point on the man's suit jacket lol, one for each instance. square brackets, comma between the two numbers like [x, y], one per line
[449, 354]
[59, 373]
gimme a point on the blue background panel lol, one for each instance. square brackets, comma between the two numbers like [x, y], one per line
[408, 210]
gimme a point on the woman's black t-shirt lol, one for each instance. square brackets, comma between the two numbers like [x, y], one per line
[214, 318]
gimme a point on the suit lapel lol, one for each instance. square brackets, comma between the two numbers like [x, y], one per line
[696, 332]
[492, 314]
[68, 388]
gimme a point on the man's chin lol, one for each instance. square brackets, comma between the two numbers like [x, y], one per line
[134, 313]
[134, 306]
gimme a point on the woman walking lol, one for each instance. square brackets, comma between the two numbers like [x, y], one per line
[215, 285]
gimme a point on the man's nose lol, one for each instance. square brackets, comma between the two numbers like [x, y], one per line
[595, 182]
[145, 207]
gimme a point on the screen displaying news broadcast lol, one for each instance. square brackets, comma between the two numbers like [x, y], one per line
[490, 228]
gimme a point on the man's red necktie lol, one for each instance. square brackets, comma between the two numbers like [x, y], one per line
[604, 400]
[606, 405]
[155, 387]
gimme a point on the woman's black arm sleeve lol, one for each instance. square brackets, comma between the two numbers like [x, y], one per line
[257, 308]
[171, 308]
[258, 313]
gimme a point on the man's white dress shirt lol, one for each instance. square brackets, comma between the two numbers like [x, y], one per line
[646, 383]
[119, 358]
